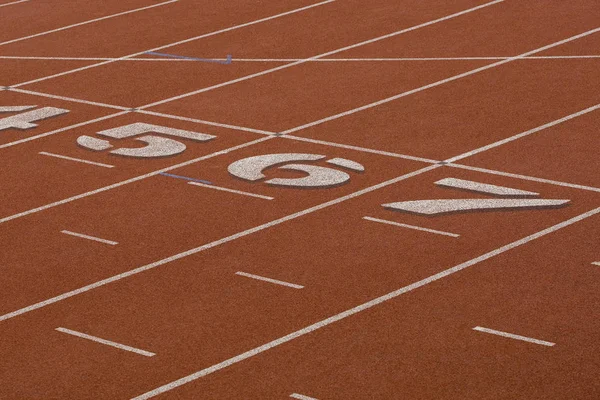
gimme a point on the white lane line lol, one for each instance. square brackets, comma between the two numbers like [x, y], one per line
[282, 60]
[71, 99]
[513, 336]
[97, 239]
[131, 180]
[106, 342]
[418, 228]
[205, 122]
[87, 22]
[14, 2]
[453, 165]
[534, 130]
[44, 153]
[66, 128]
[596, 263]
[358, 148]
[365, 306]
[524, 177]
[177, 43]
[281, 67]
[275, 281]
[260, 196]
[301, 397]
[440, 82]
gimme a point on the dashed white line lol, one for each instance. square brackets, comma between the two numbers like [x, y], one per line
[513, 336]
[260, 196]
[418, 228]
[275, 281]
[97, 239]
[86, 22]
[106, 342]
[365, 306]
[45, 153]
[301, 397]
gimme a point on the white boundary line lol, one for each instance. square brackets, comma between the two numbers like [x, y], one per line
[355, 310]
[106, 342]
[97, 239]
[285, 66]
[177, 43]
[45, 153]
[513, 336]
[275, 281]
[14, 2]
[87, 22]
[418, 228]
[260, 196]
[438, 83]
[281, 60]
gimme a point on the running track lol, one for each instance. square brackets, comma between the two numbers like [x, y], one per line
[170, 275]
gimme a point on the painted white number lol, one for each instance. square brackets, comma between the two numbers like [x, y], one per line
[251, 168]
[25, 119]
[157, 146]
[515, 201]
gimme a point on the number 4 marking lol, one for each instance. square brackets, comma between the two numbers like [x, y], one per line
[25, 120]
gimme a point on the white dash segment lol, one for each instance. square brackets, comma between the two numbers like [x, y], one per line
[596, 263]
[97, 239]
[301, 397]
[275, 281]
[418, 228]
[260, 196]
[44, 153]
[513, 336]
[106, 342]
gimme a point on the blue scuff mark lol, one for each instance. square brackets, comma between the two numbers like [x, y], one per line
[227, 61]
[187, 178]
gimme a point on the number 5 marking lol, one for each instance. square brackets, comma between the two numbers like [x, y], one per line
[156, 146]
